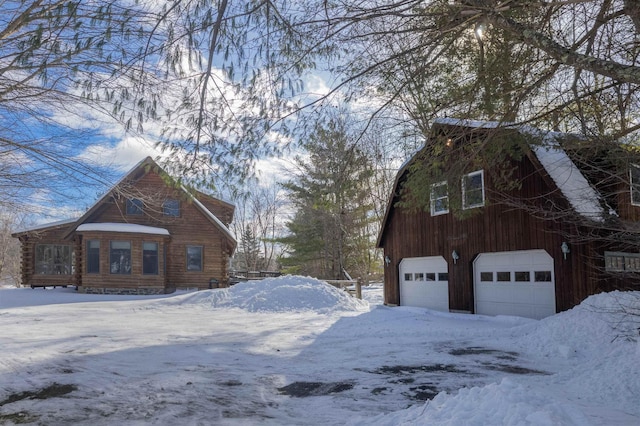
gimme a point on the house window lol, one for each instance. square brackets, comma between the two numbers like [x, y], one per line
[53, 259]
[150, 258]
[439, 198]
[473, 190]
[634, 178]
[171, 207]
[621, 262]
[120, 257]
[134, 206]
[194, 258]
[93, 257]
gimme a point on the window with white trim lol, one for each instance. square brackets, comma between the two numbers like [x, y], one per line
[634, 179]
[439, 198]
[473, 190]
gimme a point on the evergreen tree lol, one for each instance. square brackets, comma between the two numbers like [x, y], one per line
[333, 206]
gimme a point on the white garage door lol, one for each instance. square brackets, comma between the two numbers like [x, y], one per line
[424, 282]
[517, 283]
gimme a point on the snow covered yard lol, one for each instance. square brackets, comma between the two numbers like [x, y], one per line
[294, 350]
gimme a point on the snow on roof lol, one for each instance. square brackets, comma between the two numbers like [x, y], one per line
[584, 199]
[472, 123]
[122, 227]
[46, 225]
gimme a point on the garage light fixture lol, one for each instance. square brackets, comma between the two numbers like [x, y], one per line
[387, 260]
[455, 256]
[565, 249]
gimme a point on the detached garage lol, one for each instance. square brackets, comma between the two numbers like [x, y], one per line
[424, 282]
[520, 235]
[515, 283]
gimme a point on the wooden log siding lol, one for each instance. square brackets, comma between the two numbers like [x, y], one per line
[496, 227]
[106, 282]
[192, 227]
[29, 242]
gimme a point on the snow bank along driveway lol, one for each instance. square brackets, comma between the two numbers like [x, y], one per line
[297, 351]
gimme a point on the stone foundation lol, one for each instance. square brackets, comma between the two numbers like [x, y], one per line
[123, 291]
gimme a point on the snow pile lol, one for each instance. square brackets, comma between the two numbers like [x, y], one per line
[281, 294]
[597, 322]
[506, 403]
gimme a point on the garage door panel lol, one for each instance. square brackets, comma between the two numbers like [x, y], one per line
[530, 291]
[424, 282]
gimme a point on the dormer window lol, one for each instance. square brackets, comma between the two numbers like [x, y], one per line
[473, 190]
[634, 178]
[171, 207]
[439, 198]
[134, 206]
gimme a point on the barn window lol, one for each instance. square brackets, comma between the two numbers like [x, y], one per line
[93, 257]
[134, 206]
[443, 276]
[194, 258]
[419, 276]
[634, 178]
[524, 276]
[473, 190]
[439, 198]
[171, 207]
[408, 277]
[150, 258]
[53, 259]
[120, 257]
[620, 262]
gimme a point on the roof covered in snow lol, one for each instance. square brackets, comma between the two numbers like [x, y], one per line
[121, 227]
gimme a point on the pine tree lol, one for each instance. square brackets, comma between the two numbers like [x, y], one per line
[333, 206]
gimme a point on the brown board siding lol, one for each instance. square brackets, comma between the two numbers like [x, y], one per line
[499, 226]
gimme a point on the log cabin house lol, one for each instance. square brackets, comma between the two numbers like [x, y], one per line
[529, 234]
[146, 235]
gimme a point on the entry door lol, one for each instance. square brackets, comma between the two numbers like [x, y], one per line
[424, 282]
[519, 283]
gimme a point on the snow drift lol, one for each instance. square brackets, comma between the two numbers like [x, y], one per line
[282, 294]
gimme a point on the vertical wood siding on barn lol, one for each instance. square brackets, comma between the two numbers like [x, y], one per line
[496, 227]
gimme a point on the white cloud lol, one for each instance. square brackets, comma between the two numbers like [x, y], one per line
[121, 156]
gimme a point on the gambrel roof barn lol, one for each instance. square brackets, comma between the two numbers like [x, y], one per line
[530, 229]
